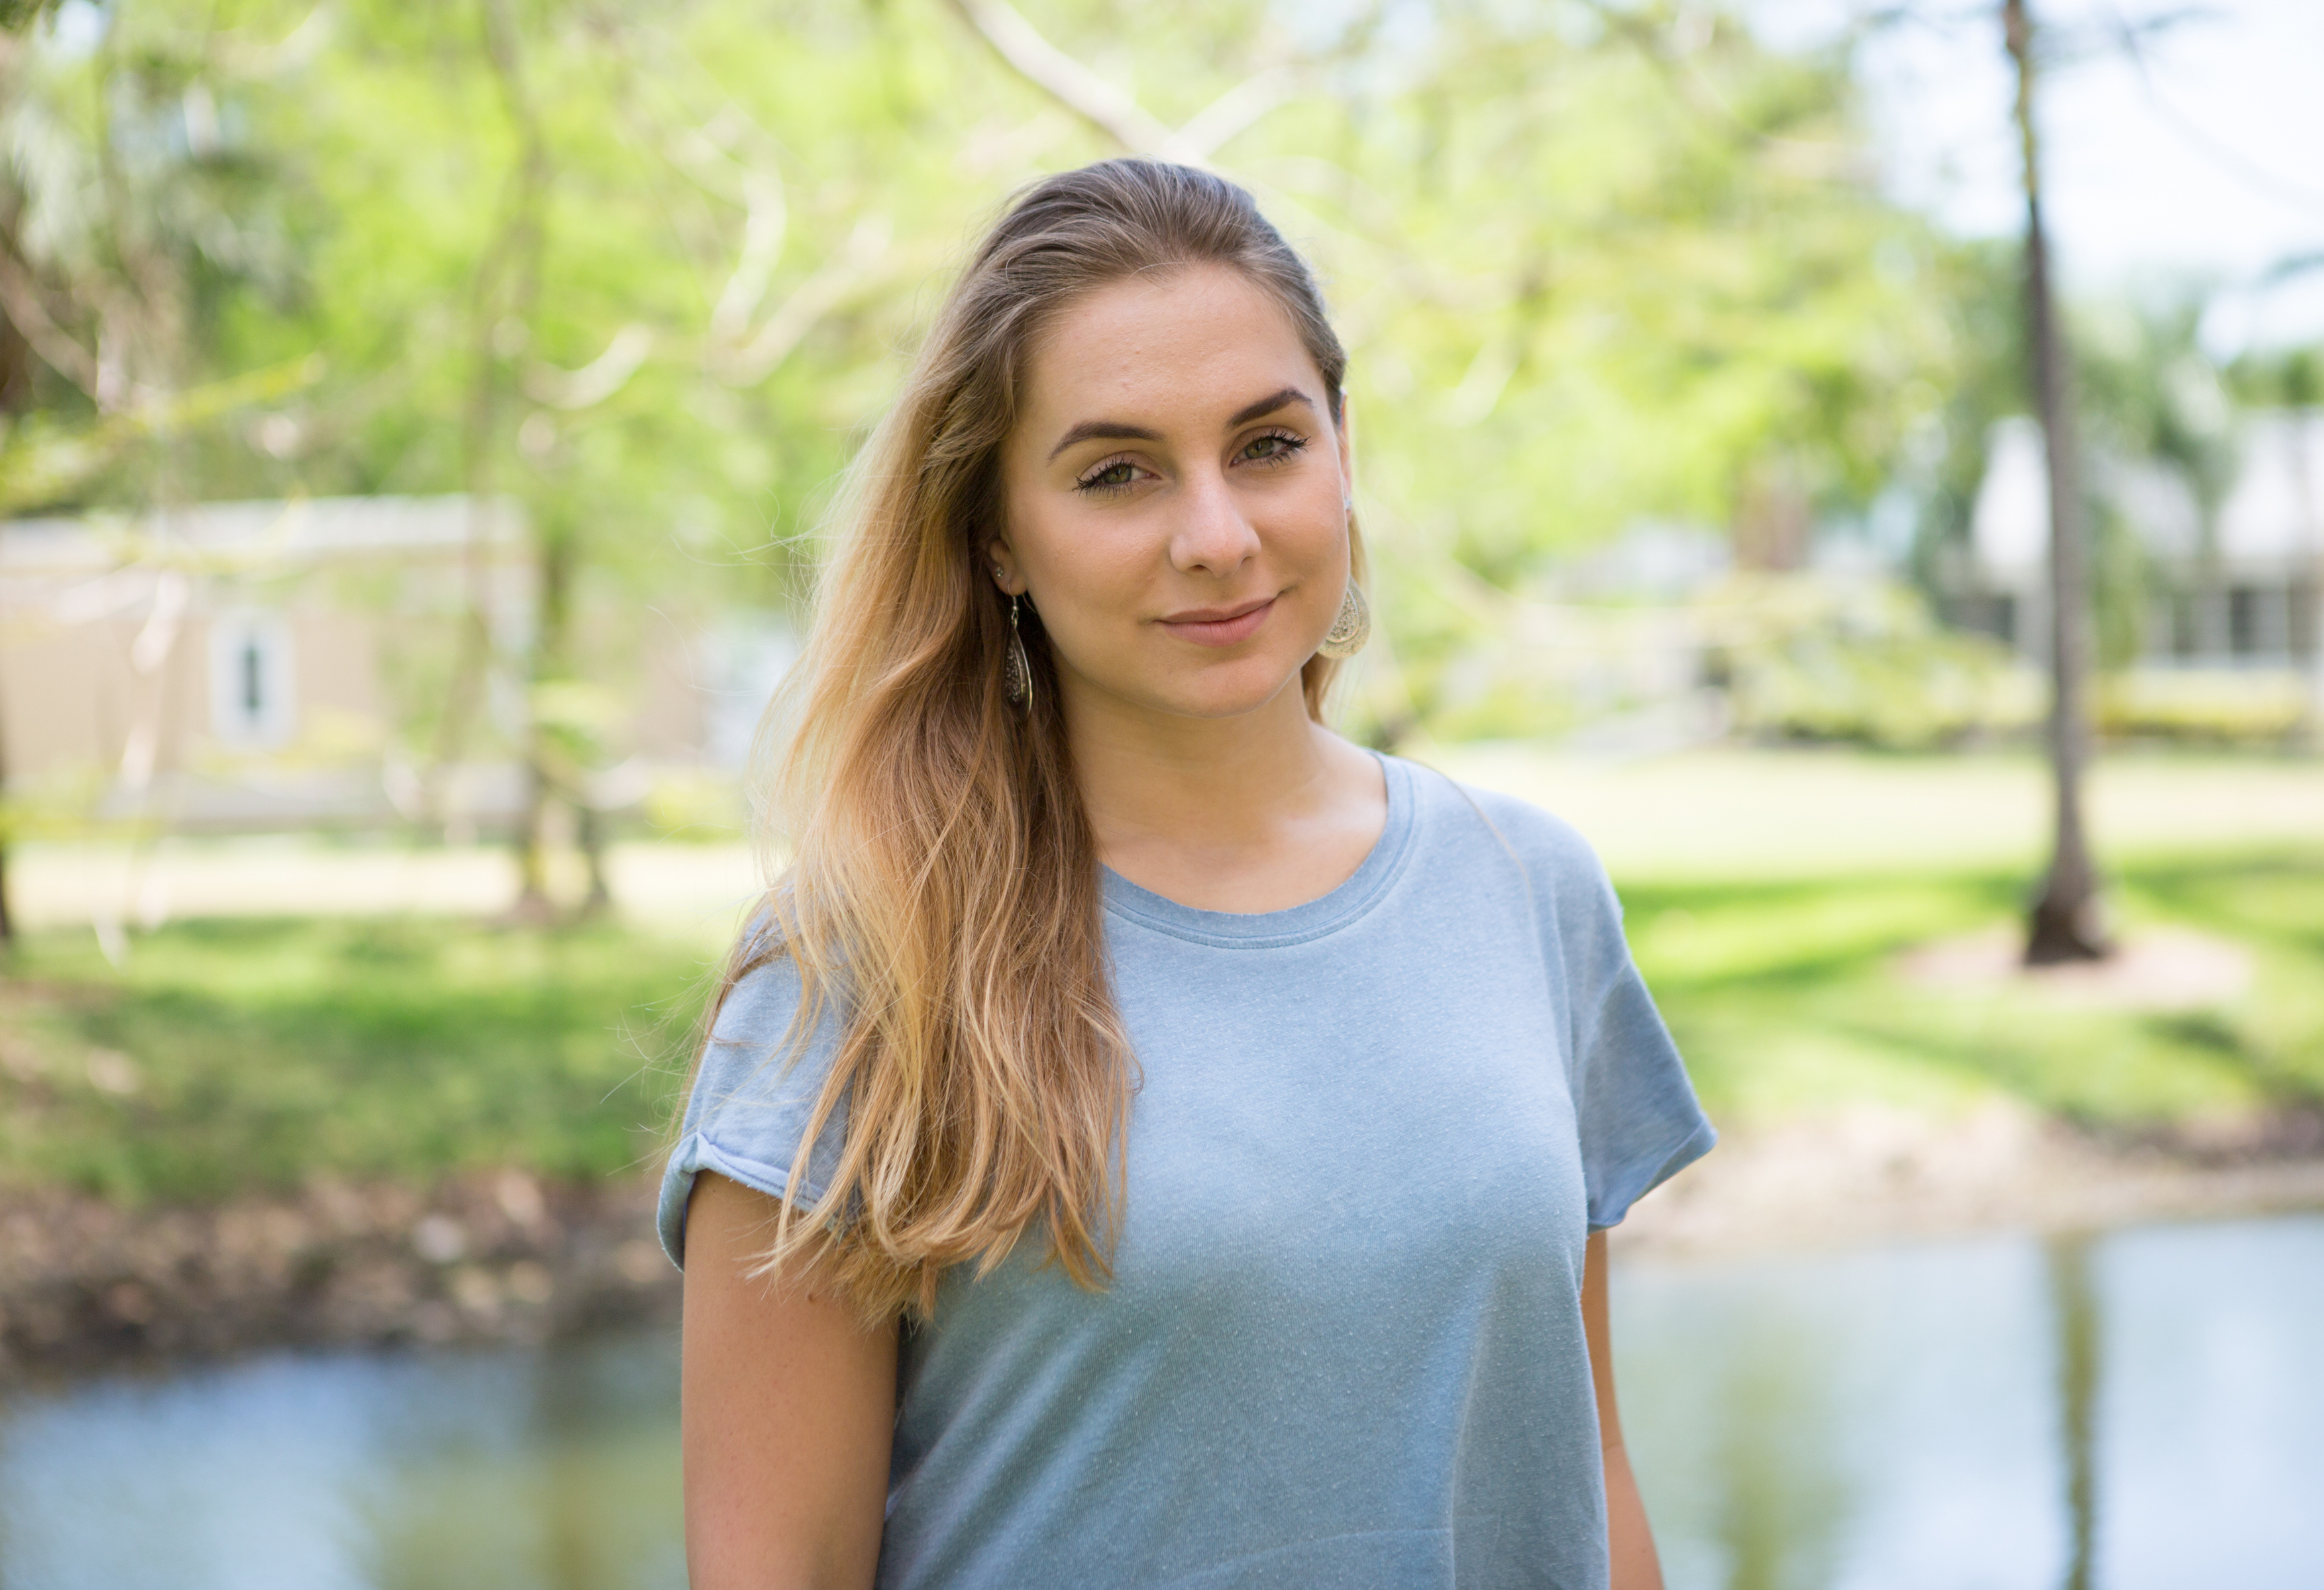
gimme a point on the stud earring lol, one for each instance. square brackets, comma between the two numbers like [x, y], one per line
[1017, 670]
[1351, 627]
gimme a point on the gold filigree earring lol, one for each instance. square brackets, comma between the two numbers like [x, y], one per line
[1351, 627]
[1017, 672]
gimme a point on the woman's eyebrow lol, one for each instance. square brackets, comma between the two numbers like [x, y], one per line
[1102, 431]
[1268, 405]
[1122, 430]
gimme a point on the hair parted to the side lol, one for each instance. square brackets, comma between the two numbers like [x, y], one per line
[943, 891]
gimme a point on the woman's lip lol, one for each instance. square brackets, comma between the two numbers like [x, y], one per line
[1221, 632]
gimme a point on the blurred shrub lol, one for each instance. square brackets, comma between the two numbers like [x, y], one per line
[2213, 705]
[61, 804]
[1816, 657]
[1486, 696]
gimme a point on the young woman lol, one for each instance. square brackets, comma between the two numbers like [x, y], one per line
[1147, 1140]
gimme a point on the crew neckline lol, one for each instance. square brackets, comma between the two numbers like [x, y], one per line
[1326, 913]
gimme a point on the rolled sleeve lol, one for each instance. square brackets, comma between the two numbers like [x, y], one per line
[753, 1095]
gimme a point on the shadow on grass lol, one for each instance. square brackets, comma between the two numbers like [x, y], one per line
[1785, 999]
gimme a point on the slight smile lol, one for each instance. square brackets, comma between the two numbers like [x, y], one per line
[1219, 627]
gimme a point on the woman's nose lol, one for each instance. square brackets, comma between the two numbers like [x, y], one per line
[1212, 534]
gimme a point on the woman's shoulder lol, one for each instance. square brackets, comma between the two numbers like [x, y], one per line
[757, 1016]
[1544, 844]
[764, 980]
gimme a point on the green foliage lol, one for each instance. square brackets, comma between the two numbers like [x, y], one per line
[1599, 278]
[2149, 391]
[650, 268]
[17, 15]
[1981, 295]
[2151, 397]
[2286, 378]
[233, 1054]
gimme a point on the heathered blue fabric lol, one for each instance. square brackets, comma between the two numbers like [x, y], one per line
[1342, 1348]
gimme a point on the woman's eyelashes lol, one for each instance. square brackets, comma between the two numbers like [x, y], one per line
[1115, 474]
[1273, 446]
[1112, 476]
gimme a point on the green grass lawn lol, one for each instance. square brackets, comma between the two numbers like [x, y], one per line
[263, 1052]
[1785, 998]
[266, 1051]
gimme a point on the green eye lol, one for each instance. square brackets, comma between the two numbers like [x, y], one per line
[1112, 478]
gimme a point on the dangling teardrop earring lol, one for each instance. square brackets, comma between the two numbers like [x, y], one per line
[1351, 627]
[1017, 672]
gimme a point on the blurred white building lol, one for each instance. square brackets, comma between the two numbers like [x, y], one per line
[2248, 596]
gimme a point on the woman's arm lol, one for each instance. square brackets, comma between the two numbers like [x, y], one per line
[1630, 1542]
[788, 1410]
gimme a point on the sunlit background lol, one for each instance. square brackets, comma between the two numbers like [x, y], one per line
[415, 421]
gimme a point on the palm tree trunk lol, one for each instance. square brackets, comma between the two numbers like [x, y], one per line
[2064, 924]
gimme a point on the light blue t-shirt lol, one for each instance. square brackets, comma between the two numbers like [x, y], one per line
[1342, 1348]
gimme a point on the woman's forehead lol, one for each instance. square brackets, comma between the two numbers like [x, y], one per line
[1181, 342]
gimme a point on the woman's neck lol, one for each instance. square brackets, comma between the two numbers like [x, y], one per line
[1257, 812]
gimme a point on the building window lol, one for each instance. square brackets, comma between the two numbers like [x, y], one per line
[2243, 621]
[1994, 615]
[251, 706]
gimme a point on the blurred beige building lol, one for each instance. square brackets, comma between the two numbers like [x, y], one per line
[260, 665]
[248, 665]
[286, 664]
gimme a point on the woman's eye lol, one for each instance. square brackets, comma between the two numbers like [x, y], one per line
[1272, 447]
[1109, 477]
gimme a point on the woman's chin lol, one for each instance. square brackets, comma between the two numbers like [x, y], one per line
[1210, 687]
[1232, 691]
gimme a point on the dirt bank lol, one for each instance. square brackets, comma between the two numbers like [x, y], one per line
[1869, 1174]
[499, 1257]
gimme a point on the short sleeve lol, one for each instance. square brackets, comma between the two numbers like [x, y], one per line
[1640, 1124]
[753, 1094]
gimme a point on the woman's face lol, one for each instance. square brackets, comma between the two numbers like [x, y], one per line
[1175, 495]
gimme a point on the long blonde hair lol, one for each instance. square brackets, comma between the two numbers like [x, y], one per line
[943, 891]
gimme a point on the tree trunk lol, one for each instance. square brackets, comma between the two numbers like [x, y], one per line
[16, 399]
[505, 285]
[2064, 925]
[7, 918]
[2299, 397]
[591, 836]
[545, 777]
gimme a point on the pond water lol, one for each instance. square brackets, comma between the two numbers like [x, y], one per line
[2143, 1409]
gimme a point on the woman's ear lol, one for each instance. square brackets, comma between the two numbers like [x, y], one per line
[1000, 563]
